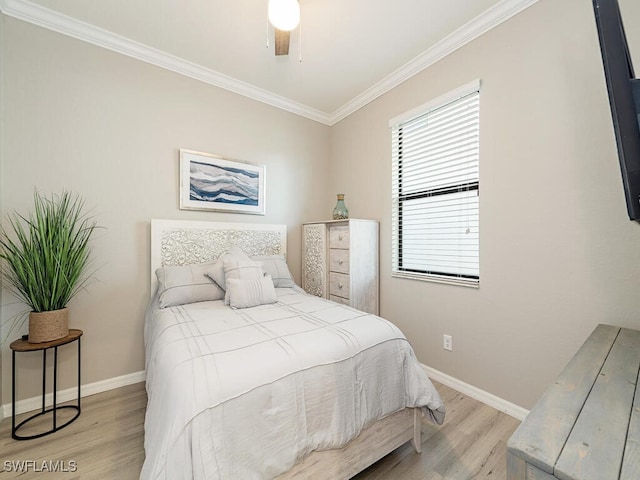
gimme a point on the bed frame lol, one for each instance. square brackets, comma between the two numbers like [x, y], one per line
[179, 242]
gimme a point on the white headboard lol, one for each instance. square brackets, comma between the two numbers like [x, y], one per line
[184, 242]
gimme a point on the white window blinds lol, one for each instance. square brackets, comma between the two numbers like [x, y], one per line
[435, 191]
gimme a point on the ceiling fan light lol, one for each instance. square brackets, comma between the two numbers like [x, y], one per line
[284, 14]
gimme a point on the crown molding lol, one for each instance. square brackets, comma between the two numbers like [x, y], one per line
[57, 22]
[488, 20]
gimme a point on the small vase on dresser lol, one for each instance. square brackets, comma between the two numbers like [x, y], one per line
[340, 212]
[340, 262]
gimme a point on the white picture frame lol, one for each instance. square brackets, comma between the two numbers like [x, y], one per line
[211, 182]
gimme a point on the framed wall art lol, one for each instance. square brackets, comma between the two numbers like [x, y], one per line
[210, 182]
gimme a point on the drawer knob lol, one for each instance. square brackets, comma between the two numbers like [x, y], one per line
[339, 286]
[340, 262]
[340, 237]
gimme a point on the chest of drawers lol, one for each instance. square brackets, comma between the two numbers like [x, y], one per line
[340, 262]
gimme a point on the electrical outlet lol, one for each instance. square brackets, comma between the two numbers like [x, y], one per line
[447, 342]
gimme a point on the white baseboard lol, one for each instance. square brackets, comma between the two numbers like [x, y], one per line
[35, 403]
[487, 398]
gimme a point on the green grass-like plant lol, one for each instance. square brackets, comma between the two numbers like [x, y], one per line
[46, 254]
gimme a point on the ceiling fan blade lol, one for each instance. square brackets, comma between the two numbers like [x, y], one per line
[282, 42]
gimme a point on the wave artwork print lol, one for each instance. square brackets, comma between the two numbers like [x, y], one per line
[214, 183]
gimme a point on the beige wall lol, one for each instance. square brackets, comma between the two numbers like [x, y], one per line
[630, 11]
[109, 127]
[558, 253]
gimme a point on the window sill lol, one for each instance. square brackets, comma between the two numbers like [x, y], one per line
[461, 282]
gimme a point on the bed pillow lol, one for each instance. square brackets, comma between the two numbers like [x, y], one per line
[251, 293]
[216, 272]
[240, 269]
[186, 284]
[276, 266]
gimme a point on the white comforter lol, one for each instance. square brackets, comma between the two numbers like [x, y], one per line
[245, 394]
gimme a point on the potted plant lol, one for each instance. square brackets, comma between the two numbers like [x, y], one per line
[45, 257]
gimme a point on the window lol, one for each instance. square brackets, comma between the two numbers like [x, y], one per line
[435, 189]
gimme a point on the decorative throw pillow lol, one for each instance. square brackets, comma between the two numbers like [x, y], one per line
[186, 284]
[251, 293]
[216, 272]
[276, 266]
[240, 270]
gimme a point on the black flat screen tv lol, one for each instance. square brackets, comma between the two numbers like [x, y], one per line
[624, 98]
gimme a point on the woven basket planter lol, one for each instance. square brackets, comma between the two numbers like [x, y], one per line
[48, 326]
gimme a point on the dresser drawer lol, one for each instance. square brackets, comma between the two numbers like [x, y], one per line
[339, 236]
[339, 284]
[334, 298]
[339, 260]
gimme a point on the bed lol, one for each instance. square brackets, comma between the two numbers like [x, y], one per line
[275, 383]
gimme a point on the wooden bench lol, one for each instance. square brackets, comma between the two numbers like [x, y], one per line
[586, 426]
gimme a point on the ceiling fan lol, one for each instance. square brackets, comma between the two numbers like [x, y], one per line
[284, 15]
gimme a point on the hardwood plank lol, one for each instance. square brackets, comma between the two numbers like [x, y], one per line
[106, 441]
[555, 413]
[596, 445]
[484, 447]
[470, 444]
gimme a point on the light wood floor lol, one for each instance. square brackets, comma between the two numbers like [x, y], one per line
[106, 442]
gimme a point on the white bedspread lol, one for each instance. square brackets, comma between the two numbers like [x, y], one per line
[245, 394]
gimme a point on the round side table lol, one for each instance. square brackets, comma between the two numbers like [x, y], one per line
[23, 345]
